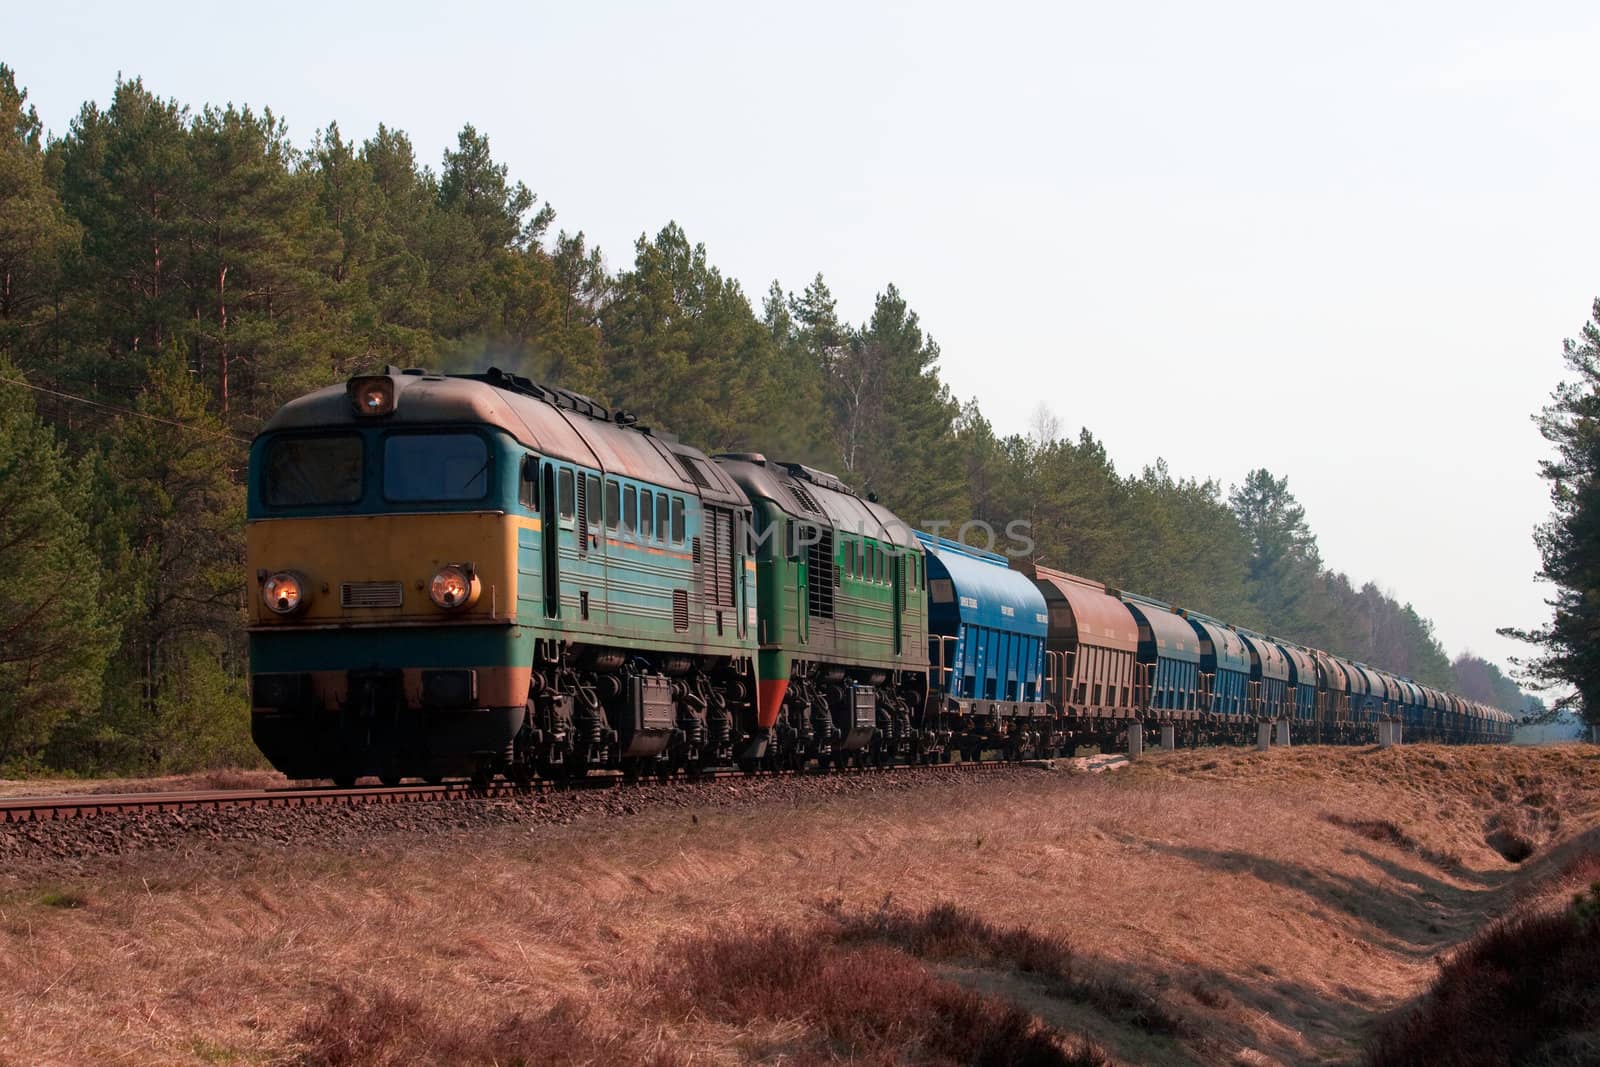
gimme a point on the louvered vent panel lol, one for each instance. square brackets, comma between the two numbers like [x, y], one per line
[583, 515]
[819, 564]
[371, 595]
[721, 577]
[680, 610]
[802, 497]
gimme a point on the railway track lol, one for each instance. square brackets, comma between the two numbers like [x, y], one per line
[88, 805]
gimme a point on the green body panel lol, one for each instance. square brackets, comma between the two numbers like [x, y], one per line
[862, 629]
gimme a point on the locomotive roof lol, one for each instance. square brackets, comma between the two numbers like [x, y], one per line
[802, 492]
[550, 421]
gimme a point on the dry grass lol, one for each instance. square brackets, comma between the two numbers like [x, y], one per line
[1526, 989]
[1212, 885]
[870, 1003]
[223, 778]
[386, 1029]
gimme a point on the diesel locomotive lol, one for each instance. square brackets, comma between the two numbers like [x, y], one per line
[471, 575]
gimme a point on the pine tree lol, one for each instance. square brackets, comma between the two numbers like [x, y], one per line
[126, 175]
[173, 496]
[35, 234]
[1569, 543]
[894, 418]
[250, 264]
[53, 636]
[1284, 562]
[685, 350]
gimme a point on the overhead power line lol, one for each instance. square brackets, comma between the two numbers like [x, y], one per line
[222, 434]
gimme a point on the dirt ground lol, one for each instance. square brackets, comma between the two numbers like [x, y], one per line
[1219, 905]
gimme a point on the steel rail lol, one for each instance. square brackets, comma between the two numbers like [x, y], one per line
[21, 809]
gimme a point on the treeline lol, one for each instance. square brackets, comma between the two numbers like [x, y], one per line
[171, 276]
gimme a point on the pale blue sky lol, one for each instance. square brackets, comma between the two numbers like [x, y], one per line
[1344, 243]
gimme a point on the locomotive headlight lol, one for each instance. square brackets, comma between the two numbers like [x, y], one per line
[372, 395]
[454, 585]
[285, 593]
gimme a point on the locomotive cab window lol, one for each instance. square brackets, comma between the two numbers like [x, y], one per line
[647, 515]
[307, 471]
[677, 520]
[435, 467]
[630, 509]
[613, 504]
[528, 489]
[661, 517]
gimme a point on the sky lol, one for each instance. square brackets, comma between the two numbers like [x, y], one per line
[1343, 243]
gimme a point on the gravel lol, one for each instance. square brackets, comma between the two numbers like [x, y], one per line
[83, 844]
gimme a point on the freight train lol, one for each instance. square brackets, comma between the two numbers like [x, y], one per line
[475, 575]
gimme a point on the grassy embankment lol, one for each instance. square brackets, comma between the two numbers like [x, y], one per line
[1216, 906]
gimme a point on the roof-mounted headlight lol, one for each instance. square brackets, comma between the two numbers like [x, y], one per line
[372, 395]
[285, 592]
[454, 586]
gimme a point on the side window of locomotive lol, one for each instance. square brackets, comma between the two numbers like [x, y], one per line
[630, 509]
[528, 488]
[306, 471]
[647, 512]
[435, 467]
[677, 520]
[592, 495]
[661, 517]
[566, 493]
[613, 504]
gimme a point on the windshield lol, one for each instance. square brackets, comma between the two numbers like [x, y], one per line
[313, 470]
[435, 466]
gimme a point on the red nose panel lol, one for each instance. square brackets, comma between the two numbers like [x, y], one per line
[769, 698]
